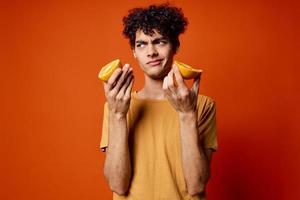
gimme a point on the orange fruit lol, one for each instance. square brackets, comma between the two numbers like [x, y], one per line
[187, 71]
[106, 71]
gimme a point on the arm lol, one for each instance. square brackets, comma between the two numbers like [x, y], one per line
[195, 160]
[117, 167]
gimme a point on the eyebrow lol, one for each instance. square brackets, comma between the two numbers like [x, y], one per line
[153, 41]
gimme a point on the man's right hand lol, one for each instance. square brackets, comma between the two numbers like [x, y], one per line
[118, 90]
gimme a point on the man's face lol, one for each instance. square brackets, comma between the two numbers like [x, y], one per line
[154, 54]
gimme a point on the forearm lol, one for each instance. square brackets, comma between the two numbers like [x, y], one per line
[117, 167]
[195, 165]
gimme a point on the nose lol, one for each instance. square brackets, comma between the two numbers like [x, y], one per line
[151, 51]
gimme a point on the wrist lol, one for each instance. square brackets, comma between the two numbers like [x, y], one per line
[117, 115]
[188, 116]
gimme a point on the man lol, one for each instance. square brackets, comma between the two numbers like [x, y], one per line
[158, 140]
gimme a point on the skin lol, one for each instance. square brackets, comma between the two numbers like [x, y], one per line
[117, 168]
[159, 84]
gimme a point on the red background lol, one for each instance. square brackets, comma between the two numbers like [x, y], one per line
[52, 101]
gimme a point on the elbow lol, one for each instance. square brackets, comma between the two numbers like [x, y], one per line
[194, 191]
[119, 190]
[197, 188]
[115, 185]
[119, 187]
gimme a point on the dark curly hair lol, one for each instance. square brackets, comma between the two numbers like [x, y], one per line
[167, 20]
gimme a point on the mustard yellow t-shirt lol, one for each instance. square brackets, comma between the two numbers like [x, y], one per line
[154, 143]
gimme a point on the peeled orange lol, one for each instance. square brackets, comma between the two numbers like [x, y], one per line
[106, 71]
[187, 71]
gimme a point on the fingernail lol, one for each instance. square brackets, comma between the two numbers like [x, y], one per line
[125, 66]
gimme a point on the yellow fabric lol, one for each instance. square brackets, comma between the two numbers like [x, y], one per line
[154, 143]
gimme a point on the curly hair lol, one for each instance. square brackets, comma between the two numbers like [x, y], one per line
[166, 20]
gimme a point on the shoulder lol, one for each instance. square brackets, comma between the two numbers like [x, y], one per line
[205, 102]
[206, 107]
[204, 97]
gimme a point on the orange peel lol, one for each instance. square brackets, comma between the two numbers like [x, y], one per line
[106, 71]
[187, 71]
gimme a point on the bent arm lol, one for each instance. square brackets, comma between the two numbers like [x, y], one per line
[196, 165]
[117, 167]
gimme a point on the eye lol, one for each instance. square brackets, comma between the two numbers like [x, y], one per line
[162, 42]
[140, 45]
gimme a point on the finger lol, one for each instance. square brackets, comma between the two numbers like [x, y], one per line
[170, 82]
[196, 83]
[123, 77]
[178, 76]
[126, 84]
[175, 82]
[129, 88]
[165, 87]
[113, 79]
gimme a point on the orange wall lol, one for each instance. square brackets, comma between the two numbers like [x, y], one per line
[52, 101]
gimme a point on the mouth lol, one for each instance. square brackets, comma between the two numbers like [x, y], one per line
[155, 62]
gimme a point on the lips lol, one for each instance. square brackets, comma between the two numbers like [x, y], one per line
[154, 62]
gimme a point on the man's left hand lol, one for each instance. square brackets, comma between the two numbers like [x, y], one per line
[183, 99]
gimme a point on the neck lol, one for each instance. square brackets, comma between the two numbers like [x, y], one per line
[153, 89]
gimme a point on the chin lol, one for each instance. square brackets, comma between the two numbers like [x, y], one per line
[158, 75]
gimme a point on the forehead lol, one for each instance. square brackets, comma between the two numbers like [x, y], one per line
[140, 35]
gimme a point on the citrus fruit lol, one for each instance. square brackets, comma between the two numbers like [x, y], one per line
[187, 71]
[106, 71]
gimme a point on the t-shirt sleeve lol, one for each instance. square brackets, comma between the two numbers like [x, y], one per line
[104, 135]
[207, 126]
